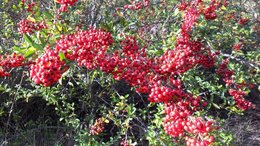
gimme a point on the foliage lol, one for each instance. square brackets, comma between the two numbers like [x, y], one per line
[126, 72]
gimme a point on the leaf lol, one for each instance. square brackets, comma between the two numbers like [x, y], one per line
[29, 52]
[37, 46]
[31, 18]
[215, 105]
[176, 12]
[27, 39]
[62, 56]
[59, 27]
[14, 7]
[2, 88]
[47, 15]
[18, 49]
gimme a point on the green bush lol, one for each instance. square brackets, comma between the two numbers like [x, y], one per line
[125, 73]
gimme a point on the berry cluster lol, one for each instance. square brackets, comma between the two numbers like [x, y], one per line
[180, 122]
[164, 94]
[4, 73]
[137, 5]
[31, 6]
[98, 127]
[235, 89]
[182, 6]
[243, 21]
[85, 47]
[129, 46]
[28, 26]
[225, 72]
[89, 49]
[7, 62]
[239, 99]
[184, 56]
[180, 106]
[10, 61]
[210, 12]
[47, 69]
[190, 18]
[237, 46]
[67, 2]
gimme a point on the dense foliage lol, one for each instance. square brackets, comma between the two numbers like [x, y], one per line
[126, 72]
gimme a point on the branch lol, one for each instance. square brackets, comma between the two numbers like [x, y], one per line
[241, 60]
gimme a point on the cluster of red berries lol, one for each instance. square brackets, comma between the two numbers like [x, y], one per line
[182, 6]
[8, 62]
[28, 26]
[234, 91]
[133, 72]
[180, 122]
[164, 94]
[67, 2]
[89, 48]
[180, 106]
[137, 5]
[243, 21]
[85, 46]
[31, 7]
[4, 73]
[190, 18]
[47, 69]
[239, 95]
[237, 46]
[133, 65]
[107, 62]
[210, 12]
[129, 46]
[98, 127]
[184, 56]
[225, 72]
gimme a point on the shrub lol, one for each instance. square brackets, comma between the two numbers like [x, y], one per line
[126, 73]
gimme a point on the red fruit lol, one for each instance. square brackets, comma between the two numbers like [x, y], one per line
[48, 68]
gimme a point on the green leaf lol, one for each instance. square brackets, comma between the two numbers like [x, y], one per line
[14, 7]
[62, 56]
[37, 46]
[29, 52]
[47, 15]
[27, 39]
[215, 105]
[18, 49]
[176, 12]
